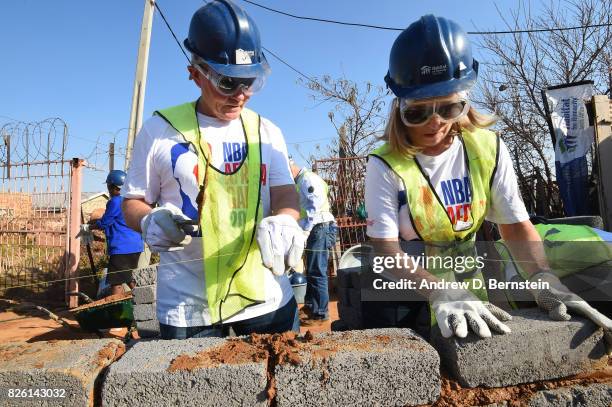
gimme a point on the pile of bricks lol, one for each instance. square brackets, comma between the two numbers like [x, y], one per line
[145, 301]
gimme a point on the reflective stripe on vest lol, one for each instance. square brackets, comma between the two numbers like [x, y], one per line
[233, 270]
[429, 217]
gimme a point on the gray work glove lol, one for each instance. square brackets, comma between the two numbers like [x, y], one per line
[558, 299]
[457, 309]
[85, 234]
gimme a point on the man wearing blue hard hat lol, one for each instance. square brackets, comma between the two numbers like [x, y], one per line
[124, 245]
[210, 189]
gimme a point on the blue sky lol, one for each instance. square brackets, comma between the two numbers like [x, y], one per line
[76, 60]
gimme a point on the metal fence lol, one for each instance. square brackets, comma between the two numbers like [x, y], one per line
[346, 180]
[34, 204]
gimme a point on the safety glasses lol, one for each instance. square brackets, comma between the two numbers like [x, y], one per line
[417, 114]
[229, 86]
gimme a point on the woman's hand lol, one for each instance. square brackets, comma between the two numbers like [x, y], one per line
[456, 309]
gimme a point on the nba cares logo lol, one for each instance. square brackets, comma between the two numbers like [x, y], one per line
[185, 172]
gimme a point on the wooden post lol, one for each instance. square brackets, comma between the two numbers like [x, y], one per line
[603, 148]
[111, 156]
[74, 222]
[141, 78]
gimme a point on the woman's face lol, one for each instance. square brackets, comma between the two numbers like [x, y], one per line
[433, 135]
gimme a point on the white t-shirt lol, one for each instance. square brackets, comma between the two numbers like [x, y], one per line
[386, 201]
[163, 169]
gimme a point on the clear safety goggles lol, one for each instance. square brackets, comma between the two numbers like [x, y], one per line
[229, 86]
[415, 113]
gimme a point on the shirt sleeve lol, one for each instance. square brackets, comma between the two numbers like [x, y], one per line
[506, 203]
[279, 171]
[112, 212]
[381, 199]
[142, 181]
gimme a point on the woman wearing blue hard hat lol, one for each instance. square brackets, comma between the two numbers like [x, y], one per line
[440, 174]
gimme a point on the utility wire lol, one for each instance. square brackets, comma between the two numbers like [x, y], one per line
[171, 30]
[289, 66]
[379, 27]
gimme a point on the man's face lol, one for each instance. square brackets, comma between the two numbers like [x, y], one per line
[113, 190]
[213, 103]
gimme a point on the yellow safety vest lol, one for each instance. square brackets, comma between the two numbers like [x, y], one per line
[233, 269]
[429, 217]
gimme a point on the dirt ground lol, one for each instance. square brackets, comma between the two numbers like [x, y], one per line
[33, 326]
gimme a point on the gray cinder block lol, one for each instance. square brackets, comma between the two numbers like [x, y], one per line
[142, 377]
[145, 276]
[63, 372]
[148, 329]
[592, 395]
[144, 295]
[385, 367]
[536, 349]
[144, 312]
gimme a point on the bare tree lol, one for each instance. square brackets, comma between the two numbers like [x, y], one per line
[521, 64]
[357, 114]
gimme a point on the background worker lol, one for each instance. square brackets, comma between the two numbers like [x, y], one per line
[441, 173]
[216, 163]
[319, 225]
[124, 245]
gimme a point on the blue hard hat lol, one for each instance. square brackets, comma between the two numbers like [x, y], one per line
[116, 178]
[430, 58]
[226, 37]
[297, 279]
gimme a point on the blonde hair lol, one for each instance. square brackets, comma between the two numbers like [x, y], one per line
[396, 133]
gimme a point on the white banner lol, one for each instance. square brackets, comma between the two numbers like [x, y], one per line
[570, 121]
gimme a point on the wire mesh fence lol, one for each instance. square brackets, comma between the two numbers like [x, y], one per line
[34, 204]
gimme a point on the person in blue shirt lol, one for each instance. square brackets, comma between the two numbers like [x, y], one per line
[124, 245]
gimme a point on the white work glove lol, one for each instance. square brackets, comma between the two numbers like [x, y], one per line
[281, 243]
[456, 309]
[85, 234]
[558, 299]
[162, 231]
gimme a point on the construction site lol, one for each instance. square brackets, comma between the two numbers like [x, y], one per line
[69, 338]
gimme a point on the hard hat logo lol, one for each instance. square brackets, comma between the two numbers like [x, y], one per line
[244, 57]
[433, 70]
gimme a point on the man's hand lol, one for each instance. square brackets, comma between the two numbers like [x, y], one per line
[558, 299]
[281, 242]
[162, 229]
[456, 309]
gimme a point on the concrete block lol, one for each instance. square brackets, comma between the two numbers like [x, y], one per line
[354, 297]
[536, 349]
[145, 276]
[591, 395]
[350, 317]
[58, 373]
[342, 294]
[383, 367]
[144, 312]
[144, 377]
[144, 295]
[344, 277]
[148, 329]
